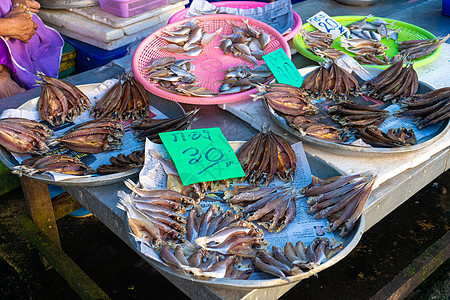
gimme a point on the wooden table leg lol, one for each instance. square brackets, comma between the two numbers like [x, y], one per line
[40, 208]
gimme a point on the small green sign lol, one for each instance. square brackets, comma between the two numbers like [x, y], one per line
[283, 68]
[202, 155]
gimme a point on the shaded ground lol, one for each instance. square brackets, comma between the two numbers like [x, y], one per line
[383, 252]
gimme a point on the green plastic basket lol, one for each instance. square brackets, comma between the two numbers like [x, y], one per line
[406, 32]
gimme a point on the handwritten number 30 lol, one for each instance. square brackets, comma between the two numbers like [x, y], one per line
[213, 155]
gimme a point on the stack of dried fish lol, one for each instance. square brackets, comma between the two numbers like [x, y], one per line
[394, 82]
[429, 108]
[175, 76]
[150, 128]
[245, 42]
[122, 162]
[320, 43]
[241, 78]
[415, 49]
[196, 191]
[224, 233]
[160, 214]
[266, 155]
[292, 260]
[340, 199]
[21, 135]
[357, 115]
[187, 39]
[332, 82]
[94, 136]
[60, 101]
[361, 46]
[317, 130]
[371, 59]
[374, 30]
[286, 99]
[273, 208]
[395, 137]
[125, 100]
[58, 163]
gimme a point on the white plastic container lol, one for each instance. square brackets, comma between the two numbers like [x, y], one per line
[128, 8]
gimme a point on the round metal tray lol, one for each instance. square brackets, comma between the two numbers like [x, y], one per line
[350, 150]
[169, 108]
[239, 287]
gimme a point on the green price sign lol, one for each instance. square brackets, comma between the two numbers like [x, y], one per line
[202, 155]
[283, 68]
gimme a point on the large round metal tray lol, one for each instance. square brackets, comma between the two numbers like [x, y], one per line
[235, 289]
[350, 150]
[169, 108]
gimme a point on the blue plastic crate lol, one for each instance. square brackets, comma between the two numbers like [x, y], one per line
[90, 57]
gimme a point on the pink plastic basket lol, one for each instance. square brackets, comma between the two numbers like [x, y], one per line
[209, 65]
[128, 8]
[244, 5]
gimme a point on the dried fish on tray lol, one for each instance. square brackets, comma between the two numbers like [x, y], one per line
[60, 101]
[94, 136]
[123, 162]
[150, 127]
[394, 137]
[125, 100]
[21, 135]
[429, 108]
[339, 199]
[58, 163]
[356, 115]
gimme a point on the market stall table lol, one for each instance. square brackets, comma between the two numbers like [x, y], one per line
[411, 175]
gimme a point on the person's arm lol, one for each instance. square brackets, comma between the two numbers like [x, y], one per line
[17, 26]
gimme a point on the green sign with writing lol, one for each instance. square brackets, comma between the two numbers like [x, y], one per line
[202, 155]
[283, 68]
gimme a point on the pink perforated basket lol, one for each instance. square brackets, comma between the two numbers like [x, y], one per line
[209, 65]
[244, 5]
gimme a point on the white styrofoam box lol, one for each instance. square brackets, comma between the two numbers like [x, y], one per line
[111, 45]
[95, 13]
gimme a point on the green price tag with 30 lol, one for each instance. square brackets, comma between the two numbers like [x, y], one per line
[283, 68]
[202, 155]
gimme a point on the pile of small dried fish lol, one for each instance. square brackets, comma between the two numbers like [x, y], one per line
[332, 82]
[371, 59]
[187, 39]
[60, 101]
[175, 76]
[245, 42]
[415, 49]
[123, 162]
[395, 137]
[155, 216]
[394, 82]
[241, 78]
[317, 130]
[272, 208]
[265, 156]
[58, 163]
[320, 43]
[94, 136]
[24, 136]
[150, 128]
[125, 100]
[357, 115]
[361, 46]
[196, 191]
[374, 30]
[286, 99]
[293, 259]
[429, 108]
[340, 199]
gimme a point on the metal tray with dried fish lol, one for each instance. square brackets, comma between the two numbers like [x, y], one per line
[169, 108]
[393, 30]
[259, 279]
[345, 148]
[208, 62]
